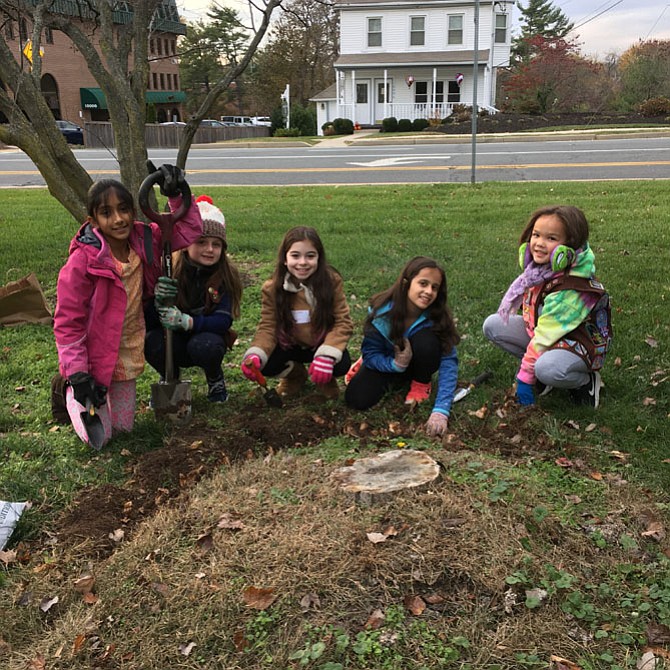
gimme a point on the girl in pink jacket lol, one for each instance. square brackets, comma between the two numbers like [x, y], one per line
[111, 271]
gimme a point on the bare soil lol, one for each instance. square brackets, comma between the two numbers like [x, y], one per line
[515, 123]
[162, 476]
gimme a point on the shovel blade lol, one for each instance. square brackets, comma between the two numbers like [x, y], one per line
[273, 399]
[172, 402]
[94, 430]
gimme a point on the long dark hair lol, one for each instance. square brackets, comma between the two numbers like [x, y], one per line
[225, 278]
[98, 195]
[321, 284]
[573, 220]
[439, 314]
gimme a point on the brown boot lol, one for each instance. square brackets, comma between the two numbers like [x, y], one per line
[294, 380]
[58, 405]
[330, 390]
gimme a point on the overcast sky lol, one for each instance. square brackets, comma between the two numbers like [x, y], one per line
[603, 26]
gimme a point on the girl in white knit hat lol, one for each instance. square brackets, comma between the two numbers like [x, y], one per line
[199, 305]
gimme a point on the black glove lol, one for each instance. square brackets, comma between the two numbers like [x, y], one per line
[85, 389]
[172, 178]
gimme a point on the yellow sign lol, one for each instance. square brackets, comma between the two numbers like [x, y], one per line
[28, 51]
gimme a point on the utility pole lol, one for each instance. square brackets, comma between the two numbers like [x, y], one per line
[475, 67]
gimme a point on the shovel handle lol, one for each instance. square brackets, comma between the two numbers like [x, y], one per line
[259, 377]
[480, 379]
[166, 220]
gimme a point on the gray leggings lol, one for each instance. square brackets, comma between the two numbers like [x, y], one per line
[555, 367]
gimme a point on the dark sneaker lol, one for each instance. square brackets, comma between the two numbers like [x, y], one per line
[217, 391]
[542, 389]
[589, 394]
[58, 405]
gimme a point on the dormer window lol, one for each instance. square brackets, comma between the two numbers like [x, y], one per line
[455, 29]
[374, 32]
[501, 29]
[417, 31]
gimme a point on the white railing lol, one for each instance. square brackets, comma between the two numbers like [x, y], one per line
[410, 111]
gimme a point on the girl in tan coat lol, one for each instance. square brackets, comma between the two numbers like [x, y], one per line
[304, 319]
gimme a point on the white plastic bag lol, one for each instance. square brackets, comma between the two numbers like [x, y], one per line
[9, 515]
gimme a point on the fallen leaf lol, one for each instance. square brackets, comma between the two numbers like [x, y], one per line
[8, 556]
[47, 603]
[229, 523]
[620, 455]
[310, 600]
[395, 427]
[655, 531]
[649, 401]
[124, 452]
[54, 429]
[415, 604]
[90, 598]
[563, 462]
[590, 428]
[375, 620]
[186, 649]
[375, 538]
[651, 341]
[647, 661]
[117, 535]
[617, 362]
[269, 455]
[515, 439]
[434, 599]
[319, 420]
[37, 663]
[196, 444]
[240, 641]
[575, 500]
[84, 584]
[596, 475]
[78, 643]
[161, 588]
[205, 542]
[258, 598]
[573, 424]
[563, 663]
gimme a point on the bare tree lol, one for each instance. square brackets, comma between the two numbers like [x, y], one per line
[116, 55]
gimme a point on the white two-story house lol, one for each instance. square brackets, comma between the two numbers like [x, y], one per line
[415, 58]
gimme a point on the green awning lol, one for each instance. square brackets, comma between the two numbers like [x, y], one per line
[94, 98]
[165, 97]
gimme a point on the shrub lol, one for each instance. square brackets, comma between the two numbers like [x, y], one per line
[328, 128]
[460, 113]
[303, 118]
[277, 120]
[655, 107]
[343, 126]
[404, 126]
[287, 132]
[420, 124]
[390, 125]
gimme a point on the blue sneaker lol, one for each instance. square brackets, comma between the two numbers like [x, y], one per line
[217, 391]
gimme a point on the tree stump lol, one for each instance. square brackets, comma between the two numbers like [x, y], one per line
[372, 480]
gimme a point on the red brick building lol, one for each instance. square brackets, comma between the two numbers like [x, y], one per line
[70, 89]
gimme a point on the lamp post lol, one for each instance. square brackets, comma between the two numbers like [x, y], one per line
[475, 67]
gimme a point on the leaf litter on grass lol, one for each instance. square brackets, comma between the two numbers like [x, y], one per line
[439, 577]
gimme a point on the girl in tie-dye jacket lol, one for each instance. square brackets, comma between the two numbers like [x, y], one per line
[563, 332]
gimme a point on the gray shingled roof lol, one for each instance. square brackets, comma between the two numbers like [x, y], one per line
[414, 58]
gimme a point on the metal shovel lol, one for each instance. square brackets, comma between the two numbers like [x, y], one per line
[272, 398]
[170, 398]
[93, 426]
[480, 379]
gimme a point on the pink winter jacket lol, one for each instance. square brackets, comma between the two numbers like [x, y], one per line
[91, 298]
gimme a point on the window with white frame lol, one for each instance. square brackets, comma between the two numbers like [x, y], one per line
[454, 92]
[501, 29]
[417, 31]
[380, 92]
[361, 94]
[455, 29]
[374, 32]
[423, 92]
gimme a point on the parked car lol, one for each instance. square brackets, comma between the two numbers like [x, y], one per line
[237, 120]
[173, 123]
[72, 133]
[261, 121]
[211, 123]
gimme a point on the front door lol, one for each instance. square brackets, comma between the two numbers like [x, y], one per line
[382, 102]
[363, 102]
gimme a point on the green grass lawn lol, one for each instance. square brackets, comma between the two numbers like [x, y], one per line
[369, 233]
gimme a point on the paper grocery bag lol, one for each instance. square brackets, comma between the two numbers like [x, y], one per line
[22, 301]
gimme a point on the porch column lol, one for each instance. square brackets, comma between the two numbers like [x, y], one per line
[432, 114]
[386, 101]
[338, 74]
[353, 97]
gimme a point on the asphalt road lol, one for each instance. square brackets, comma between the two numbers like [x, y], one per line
[601, 159]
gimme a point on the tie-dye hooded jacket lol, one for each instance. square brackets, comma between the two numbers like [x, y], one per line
[559, 315]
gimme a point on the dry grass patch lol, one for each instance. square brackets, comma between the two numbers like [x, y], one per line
[450, 582]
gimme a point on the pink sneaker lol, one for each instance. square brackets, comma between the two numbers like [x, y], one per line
[417, 393]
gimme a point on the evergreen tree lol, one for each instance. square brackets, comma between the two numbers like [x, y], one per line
[538, 18]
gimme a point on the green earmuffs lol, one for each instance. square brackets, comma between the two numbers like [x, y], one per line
[562, 257]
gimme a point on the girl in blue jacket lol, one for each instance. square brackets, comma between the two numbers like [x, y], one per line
[409, 335]
[199, 305]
